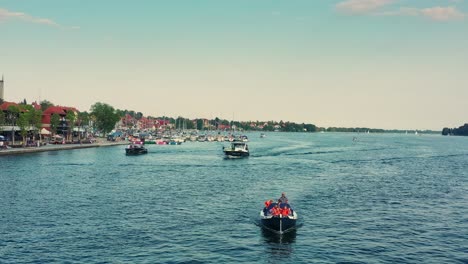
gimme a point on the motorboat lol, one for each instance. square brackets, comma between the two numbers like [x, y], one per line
[237, 149]
[135, 148]
[278, 223]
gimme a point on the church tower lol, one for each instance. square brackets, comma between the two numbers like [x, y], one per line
[1, 89]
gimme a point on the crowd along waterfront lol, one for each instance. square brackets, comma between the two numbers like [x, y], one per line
[381, 198]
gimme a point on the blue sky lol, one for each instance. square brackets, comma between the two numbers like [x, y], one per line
[374, 63]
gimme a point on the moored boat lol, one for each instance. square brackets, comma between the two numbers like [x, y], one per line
[278, 223]
[237, 149]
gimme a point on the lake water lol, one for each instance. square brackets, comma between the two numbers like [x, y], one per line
[381, 199]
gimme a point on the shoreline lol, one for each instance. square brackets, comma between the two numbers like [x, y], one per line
[28, 150]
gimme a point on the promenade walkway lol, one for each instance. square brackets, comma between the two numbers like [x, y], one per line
[99, 143]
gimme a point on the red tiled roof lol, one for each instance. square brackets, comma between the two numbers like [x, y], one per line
[61, 110]
[55, 110]
[5, 105]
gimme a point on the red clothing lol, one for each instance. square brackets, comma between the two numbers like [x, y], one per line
[275, 211]
[285, 211]
[267, 203]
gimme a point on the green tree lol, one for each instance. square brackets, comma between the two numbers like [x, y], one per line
[189, 124]
[36, 121]
[54, 123]
[82, 121]
[139, 115]
[45, 104]
[268, 128]
[12, 117]
[121, 113]
[310, 128]
[71, 119]
[179, 122]
[2, 120]
[105, 117]
[445, 130]
[34, 118]
[199, 124]
[23, 124]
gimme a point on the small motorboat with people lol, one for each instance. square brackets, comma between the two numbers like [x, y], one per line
[278, 216]
[136, 148]
[237, 149]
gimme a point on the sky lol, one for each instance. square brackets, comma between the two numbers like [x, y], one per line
[392, 64]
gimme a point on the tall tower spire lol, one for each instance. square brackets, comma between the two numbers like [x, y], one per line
[1, 88]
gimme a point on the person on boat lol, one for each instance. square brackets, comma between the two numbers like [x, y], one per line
[283, 198]
[285, 211]
[275, 210]
[268, 203]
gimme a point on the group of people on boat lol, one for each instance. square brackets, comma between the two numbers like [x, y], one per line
[280, 208]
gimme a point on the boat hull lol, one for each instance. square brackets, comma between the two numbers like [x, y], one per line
[233, 153]
[131, 152]
[279, 224]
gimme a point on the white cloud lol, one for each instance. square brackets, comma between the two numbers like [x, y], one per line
[361, 6]
[404, 11]
[434, 13]
[10, 15]
[443, 13]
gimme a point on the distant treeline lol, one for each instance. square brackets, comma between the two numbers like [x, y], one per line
[373, 130]
[461, 131]
[353, 129]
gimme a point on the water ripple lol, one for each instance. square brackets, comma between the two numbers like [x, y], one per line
[381, 199]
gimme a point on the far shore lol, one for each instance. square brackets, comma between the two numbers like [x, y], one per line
[26, 150]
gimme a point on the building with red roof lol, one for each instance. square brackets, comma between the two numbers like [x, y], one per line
[59, 110]
[5, 105]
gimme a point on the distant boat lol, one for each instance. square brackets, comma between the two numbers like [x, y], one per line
[150, 141]
[237, 149]
[262, 135]
[244, 138]
[135, 148]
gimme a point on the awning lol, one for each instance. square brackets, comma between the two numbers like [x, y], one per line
[45, 131]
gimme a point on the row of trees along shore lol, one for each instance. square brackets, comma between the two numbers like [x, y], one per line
[461, 131]
[103, 118]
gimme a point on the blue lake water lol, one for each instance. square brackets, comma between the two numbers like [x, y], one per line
[381, 199]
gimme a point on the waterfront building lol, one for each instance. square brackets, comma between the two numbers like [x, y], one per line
[61, 111]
